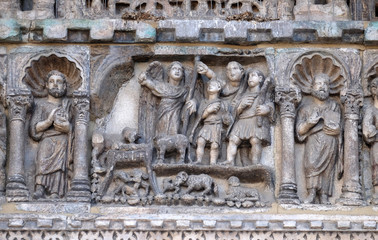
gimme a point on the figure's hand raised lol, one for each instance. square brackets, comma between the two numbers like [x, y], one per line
[142, 78]
[214, 107]
[191, 106]
[202, 68]
[246, 102]
[51, 116]
[314, 118]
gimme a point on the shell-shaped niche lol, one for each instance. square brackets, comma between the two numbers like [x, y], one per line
[36, 73]
[308, 66]
[368, 77]
[372, 73]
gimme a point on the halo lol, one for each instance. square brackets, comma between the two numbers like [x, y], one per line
[35, 74]
[306, 67]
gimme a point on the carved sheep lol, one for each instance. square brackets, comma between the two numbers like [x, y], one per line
[177, 142]
[196, 183]
[237, 192]
[130, 135]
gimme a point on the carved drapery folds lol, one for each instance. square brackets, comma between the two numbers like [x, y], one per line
[18, 104]
[207, 133]
[58, 126]
[287, 98]
[318, 124]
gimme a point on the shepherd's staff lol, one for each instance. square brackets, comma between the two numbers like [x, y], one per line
[189, 97]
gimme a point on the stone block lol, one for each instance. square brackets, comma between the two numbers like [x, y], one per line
[145, 33]
[369, 224]
[157, 223]
[102, 30]
[183, 224]
[54, 30]
[371, 33]
[44, 223]
[130, 223]
[343, 224]
[262, 224]
[209, 223]
[10, 30]
[236, 224]
[316, 224]
[16, 223]
[102, 224]
[289, 224]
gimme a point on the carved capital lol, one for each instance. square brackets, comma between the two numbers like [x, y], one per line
[18, 105]
[353, 101]
[287, 98]
[81, 105]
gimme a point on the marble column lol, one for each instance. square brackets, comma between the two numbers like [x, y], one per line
[287, 98]
[16, 189]
[80, 185]
[351, 190]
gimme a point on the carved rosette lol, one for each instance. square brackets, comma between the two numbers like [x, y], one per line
[18, 106]
[287, 98]
[81, 105]
[353, 101]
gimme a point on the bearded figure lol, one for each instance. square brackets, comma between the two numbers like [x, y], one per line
[51, 128]
[318, 125]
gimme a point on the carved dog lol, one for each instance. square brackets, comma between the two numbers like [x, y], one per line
[165, 144]
[196, 183]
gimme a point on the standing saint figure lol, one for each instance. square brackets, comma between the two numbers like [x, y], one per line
[254, 113]
[51, 127]
[172, 98]
[369, 131]
[318, 125]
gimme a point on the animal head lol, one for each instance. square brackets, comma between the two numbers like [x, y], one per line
[130, 135]
[233, 181]
[181, 177]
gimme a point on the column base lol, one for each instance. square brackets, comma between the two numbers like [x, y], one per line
[16, 190]
[288, 194]
[351, 196]
[80, 191]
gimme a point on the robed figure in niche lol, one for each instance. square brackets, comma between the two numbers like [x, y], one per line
[52, 81]
[319, 124]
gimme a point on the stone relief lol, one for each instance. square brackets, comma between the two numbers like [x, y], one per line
[51, 127]
[205, 136]
[318, 124]
[369, 129]
[57, 167]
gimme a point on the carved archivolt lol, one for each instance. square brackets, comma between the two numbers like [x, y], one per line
[306, 67]
[35, 75]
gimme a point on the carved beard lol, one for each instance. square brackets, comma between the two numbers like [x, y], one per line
[320, 94]
[57, 93]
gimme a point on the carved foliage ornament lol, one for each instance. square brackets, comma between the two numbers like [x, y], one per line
[306, 67]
